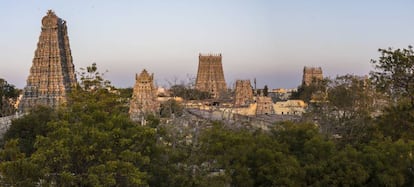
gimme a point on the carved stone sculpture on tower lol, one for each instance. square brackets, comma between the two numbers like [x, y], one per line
[210, 76]
[144, 97]
[311, 74]
[52, 74]
[244, 93]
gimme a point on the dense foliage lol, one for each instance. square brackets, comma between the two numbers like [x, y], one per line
[8, 97]
[346, 106]
[171, 108]
[314, 91]
[394, 73]
[27, 128]
[188, 93]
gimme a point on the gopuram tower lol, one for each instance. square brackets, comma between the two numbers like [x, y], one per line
[311, 74]
[144, 97]
[244, 93]
[210, 76]
[52, 73]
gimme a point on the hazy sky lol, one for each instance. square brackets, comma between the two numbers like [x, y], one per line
[269, 40]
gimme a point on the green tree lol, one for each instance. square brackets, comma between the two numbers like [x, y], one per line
[389, 163]
[394, 73]
[240, 157]
[8, 96]
[188, 93]
[322, 161]
[125, 92]
[170, 108]
[27, 128]
[92, 79]
[99, 149]
[394, 76]
[397, 122]
[314, 92]
[347, 109]
[174, 160]
[295, 136]
[152, 120]
[344, 168]
[15, 168]
[265, 91]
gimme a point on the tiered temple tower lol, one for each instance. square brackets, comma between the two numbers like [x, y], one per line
[310, 74]
[264, 105]
[210, 76]
[244, 93]
[144, 98]
[52, 74]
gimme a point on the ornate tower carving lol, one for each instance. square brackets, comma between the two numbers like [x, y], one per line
[244, 93]
[210, 76]
[310, 74]
[144, 98]
[52, 74]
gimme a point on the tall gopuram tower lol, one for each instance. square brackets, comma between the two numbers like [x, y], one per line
[52, 74]
[210, 76]
[310, 74]
[144, 97]
[244, 93]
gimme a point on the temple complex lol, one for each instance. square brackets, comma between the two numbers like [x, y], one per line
[144, 97]
[311, 74]
[52, 74]
[243, 93]
[210, 76]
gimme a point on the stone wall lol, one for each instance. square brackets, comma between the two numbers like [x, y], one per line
[5, 123]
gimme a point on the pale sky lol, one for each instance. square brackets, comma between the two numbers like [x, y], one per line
[268, 40]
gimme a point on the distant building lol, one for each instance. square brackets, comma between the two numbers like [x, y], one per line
[162, 92]
[52, 74]
[144, 97]
[210, 75]
[281, 94]
[166, 99]
[290, 107]
[243, 93]
[311, 74]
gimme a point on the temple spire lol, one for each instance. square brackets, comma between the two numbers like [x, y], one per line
[210, 75]
[52, 74]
